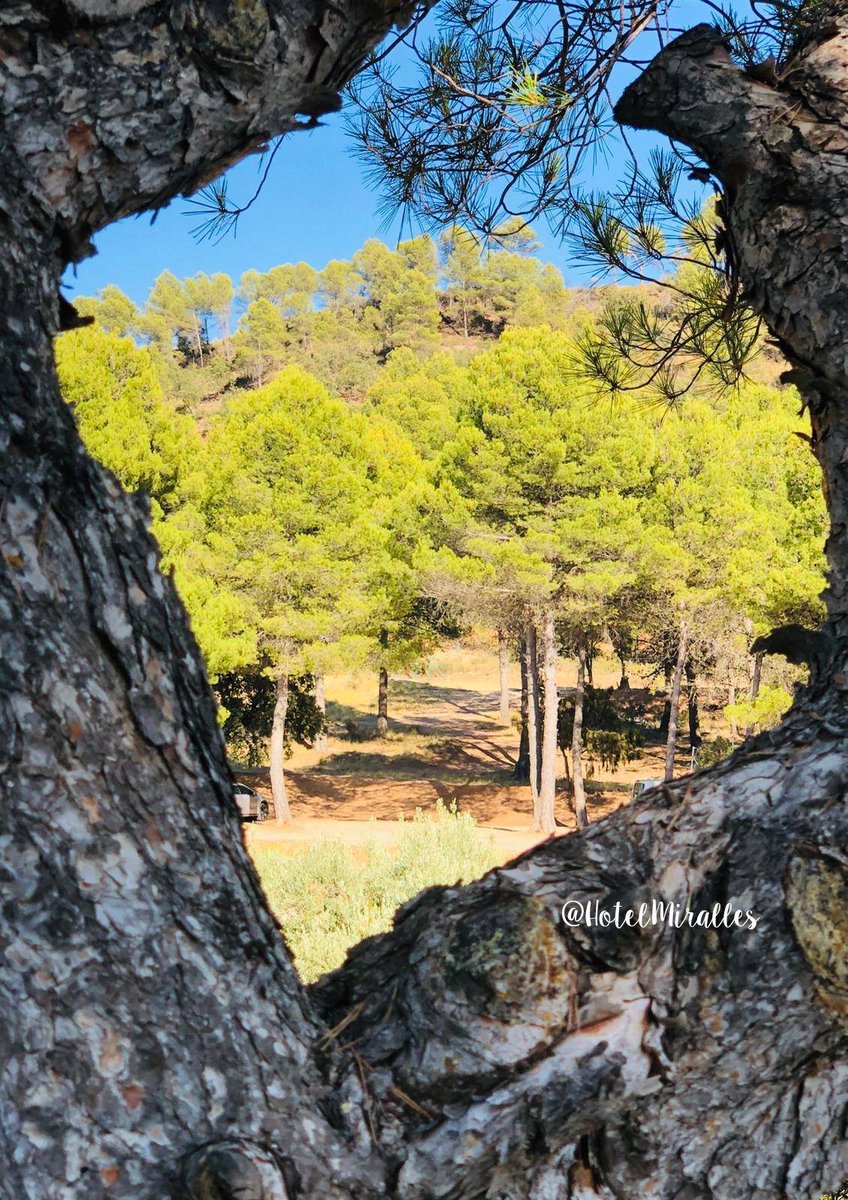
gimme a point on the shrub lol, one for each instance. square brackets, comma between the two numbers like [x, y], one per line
[608, 736]
[714, 752]
[612, 748]
[762, 713]
[331, 896]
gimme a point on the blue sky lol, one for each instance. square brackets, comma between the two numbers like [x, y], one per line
[314, 206]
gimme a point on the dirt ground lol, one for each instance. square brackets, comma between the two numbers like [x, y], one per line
[445, 743]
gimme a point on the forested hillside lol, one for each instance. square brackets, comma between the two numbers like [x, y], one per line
[346, 465]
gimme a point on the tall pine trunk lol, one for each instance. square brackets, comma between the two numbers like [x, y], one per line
[521, 770]
[756, 675]
[278, 751]
[547, 781]
[692, 705]
[503, 679]
[534, 720]
[668, 672]
[674, 702]
[577, 783]
[321, 705]
[383, 703]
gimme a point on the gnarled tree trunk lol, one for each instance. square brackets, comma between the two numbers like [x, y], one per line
[154, 1036]
[147, 1002]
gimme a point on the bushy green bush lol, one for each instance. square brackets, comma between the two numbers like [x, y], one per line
[713, 752]
[762, 713]
[608, 736]
[331, 896]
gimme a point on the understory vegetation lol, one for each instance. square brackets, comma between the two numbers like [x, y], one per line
[331, 895]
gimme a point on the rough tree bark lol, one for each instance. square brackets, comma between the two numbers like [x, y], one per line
[693, 1062]
[154, 1036]
[282, 812]
[147, 1002]
[547, 772]
[674, 703]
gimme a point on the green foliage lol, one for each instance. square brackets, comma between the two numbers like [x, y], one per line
[611, 749]
[289, 513]
[114, 389]
[713, 752]
[763, 713]
[610, 736]
[329, 897]
[546, 489]
[422, 398]
[375, 487]
[246, 706]
[488, 288]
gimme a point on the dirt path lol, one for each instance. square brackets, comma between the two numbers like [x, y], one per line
[445, 743]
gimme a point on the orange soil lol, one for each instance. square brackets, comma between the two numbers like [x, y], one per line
[445, 743]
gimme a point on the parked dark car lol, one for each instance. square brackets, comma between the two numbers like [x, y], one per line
[251, 806]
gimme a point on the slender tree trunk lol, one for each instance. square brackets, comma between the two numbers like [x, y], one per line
[692, 705]
[278, 751]
[547, 784]
[590, 660]
[578, 785]
[197, 339]
[674, 702]
[521, 770]
[623, 682]
[226, 332]
[533, 718]
[321, 705]
[383, 703]
[731, 699]
[503, 678]
[756, 675]
[668, 672]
